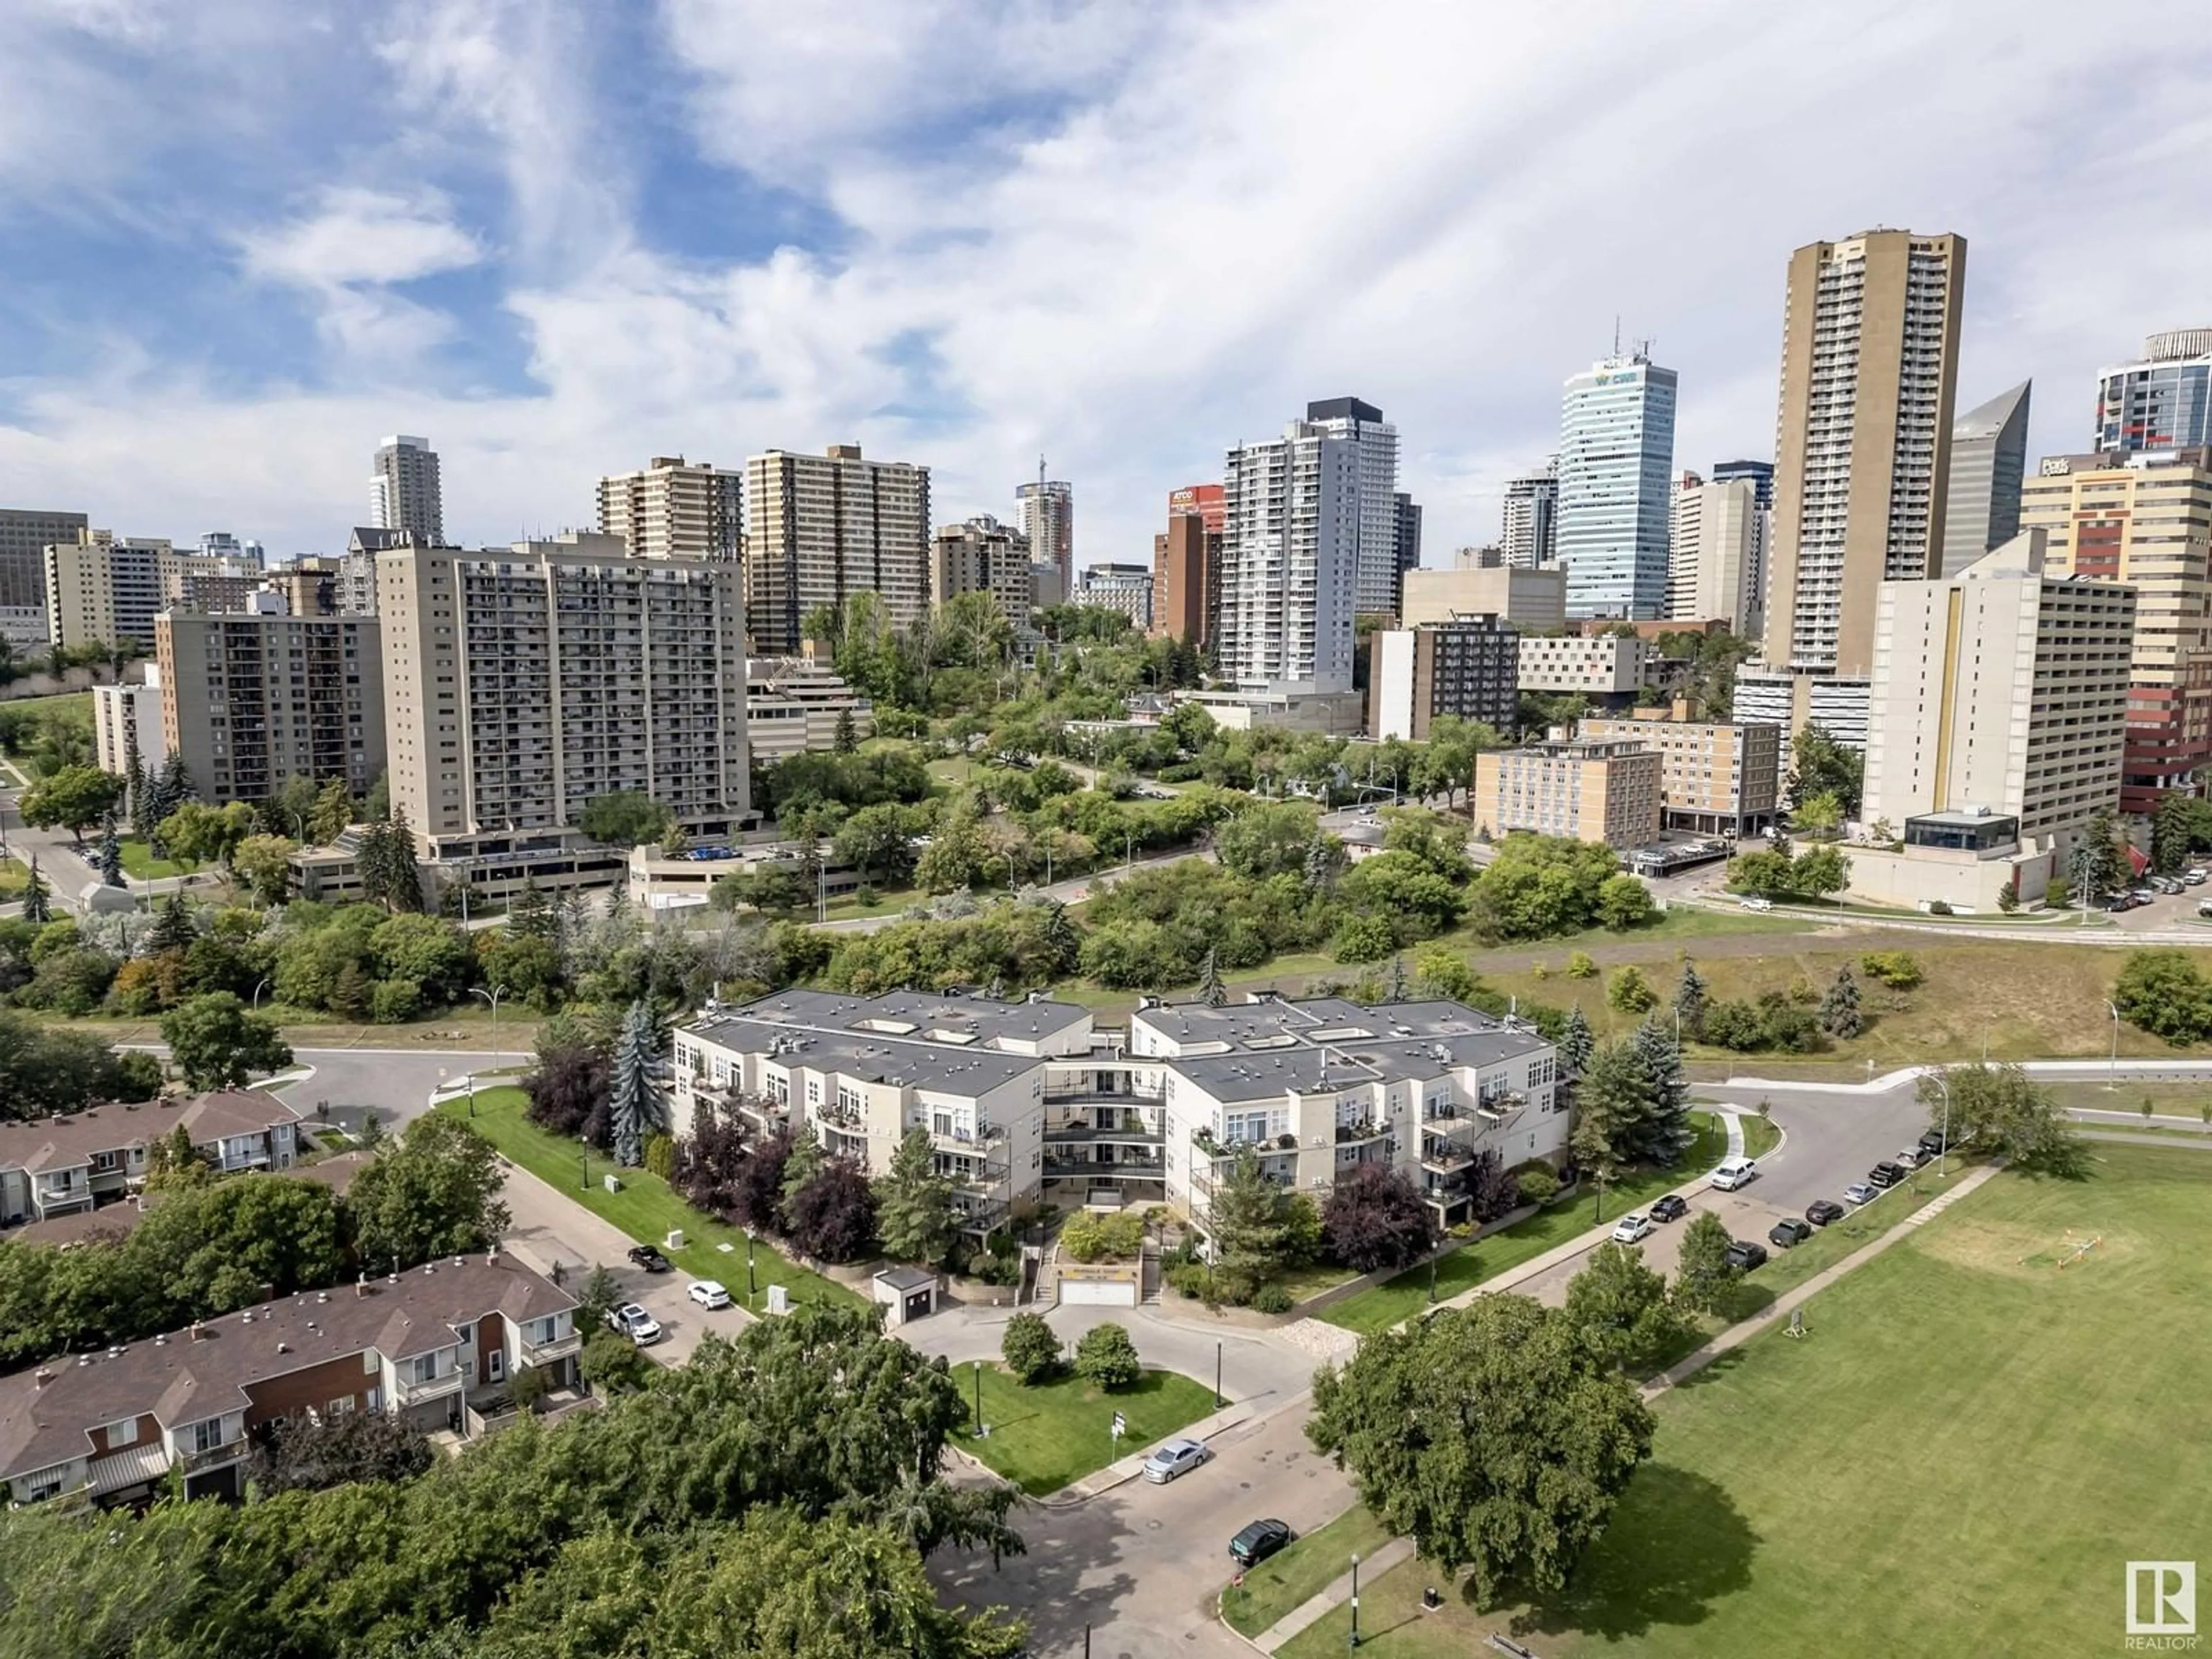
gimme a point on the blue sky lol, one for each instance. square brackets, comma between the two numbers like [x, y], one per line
[242, 240]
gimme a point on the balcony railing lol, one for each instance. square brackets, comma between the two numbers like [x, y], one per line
[1369, 1129]
[404, 1393]
[191, 1462]
[983, 1134]
[1077, 1135]
[1084, 1169]
[1444, 1157]
[543, 1353]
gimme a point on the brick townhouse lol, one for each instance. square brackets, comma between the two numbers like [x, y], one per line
[57, 1166]
[433, 1343]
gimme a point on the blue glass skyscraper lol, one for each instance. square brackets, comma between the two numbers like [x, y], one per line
[1616, 456]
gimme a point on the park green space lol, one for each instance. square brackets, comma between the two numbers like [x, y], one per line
[645, 1207]
[1047, 1434]
[1981, 1425]
[1285, 1582]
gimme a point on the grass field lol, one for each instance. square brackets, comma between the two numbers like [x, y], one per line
[645, 1208]
[1402, 1297]
[1759, 1136]
[15, 877]
[1960, 1457]
[138, 861]
[1045, 1436]
[1289, 1580]
[2027, 1001]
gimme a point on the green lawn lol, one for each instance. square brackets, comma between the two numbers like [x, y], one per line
[15, 877]
[1283, 1582]
[1043, 1437]
[645, 1208]
[139, 861]
[1462, 1269]
[1760, 1137]
[1957, 1459]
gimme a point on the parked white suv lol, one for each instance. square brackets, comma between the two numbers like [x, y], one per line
[1734, 1172]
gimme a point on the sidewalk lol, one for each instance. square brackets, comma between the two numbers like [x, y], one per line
[1743, 1330]
[1338, 1593]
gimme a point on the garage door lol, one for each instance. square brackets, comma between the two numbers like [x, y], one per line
[1098, 1293]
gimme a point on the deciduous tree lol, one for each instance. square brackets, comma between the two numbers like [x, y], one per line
[1106, 1356]
[216, 1045]
[1702, 1275]
[1375, 1219]
[1622, 1310]
[1031, 1348]
[436, 1194]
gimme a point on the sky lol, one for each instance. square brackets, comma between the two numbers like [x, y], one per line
[242, 240]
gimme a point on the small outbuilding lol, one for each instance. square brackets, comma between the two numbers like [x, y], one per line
[910, 1293]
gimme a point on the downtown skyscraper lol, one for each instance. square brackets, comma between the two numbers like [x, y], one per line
[2163, 400]
[406, 493]
[1615, 494]
[1290, 559]
[1375, 520]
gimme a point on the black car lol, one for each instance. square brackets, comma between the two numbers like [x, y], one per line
[1821, 1210]
[1788, 1230]
[1931, 1144]
[1886, 1174]
[1669, 1208]
[1745, 1254]
[1258, 1541]
[645, 1257]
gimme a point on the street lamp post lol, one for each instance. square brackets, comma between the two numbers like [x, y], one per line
[749, 1288]
[1943, 1155]
[979, 1400]
[1218, 1401]
[2112, 1076]
[1355, 1598]
[491, 996]
[258, 990]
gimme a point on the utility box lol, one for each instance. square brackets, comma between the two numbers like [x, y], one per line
[613, 1183]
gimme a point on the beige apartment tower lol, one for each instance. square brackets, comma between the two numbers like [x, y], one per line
[1715, 778]
[2144, 519]
[2003, 688]
[251, 699]
[1527, 598]
[982, 556]
[674, 509]
[821, 528]
[103, 588]
[1869, 373]
[522, 682]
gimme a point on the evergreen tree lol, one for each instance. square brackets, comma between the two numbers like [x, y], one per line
[1067, 945]
[1839, 1007]
[531, 915]
[110, 853]
[1665, 1129]
[403, 881]
[915, 1219]
[635, 1106]
[1209, 979]
[135, 784]
[172, 928]
[1614, 1102]
[1691, 1001]
[37, 905]
[1575, 1044]
[333, 811]
[171, 788]
[1320, 867]
[849, 737]
[1397, 978]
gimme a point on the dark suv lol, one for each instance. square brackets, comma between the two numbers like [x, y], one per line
[1788, 1230]
[1886, 1174]
[1745, 1254]
[1931, 1144]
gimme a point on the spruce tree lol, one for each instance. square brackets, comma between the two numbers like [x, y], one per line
[1575, 1044]
[1665, 1129]
[110, 852]
[37, 906]
[1840, 1007]
[135, 781]
[635, 1105]
[848, 737]
[172, 928]
[1691, 1001]
[1397, 978]
[1209, 979]
[531, 915]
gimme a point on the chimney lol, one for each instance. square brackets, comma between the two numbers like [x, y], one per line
[198, 1333]
[491, 1256]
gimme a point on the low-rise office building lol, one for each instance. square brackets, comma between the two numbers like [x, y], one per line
[1605, 666]
[1028, 1100]
[436, 1346]
[1585, 789]
[793, 706]
[1715, 778]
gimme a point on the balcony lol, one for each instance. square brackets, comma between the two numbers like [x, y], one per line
[548, 1353]
[415, 1394]
[192, 1463]
[1442, 1157]
[1085, 1169]
[1084, 1134]
[1367, 1129]
[983, 1135]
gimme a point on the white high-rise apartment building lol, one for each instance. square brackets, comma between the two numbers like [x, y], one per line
[821, 528]
[1374, 581]
[2004, 688]
[1289, 558]
[1047, 520]
[1126, 588]
[405, 494]
[1616, 451]
[1869, 363]
[1532, 504]
[1682, 517]
[1720, 540]
[521, 682]
[674, 509]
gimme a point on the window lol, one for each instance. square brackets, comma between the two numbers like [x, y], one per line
[848, 1098]
[124, 1433]
[207, 1434]
[814, 1091]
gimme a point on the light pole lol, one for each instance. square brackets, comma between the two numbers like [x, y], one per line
[979, 1400]
[2112, 1076]
[1128, 849]
[258, 990]
[491, 996]
[1942, 1081]
[1355, 1598]
[749, 1288]
[1217, 1401]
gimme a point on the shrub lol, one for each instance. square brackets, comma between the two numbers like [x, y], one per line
[1192, 1280]
[394, 1001]
[1895, 969]
[659, 1155]
[1271, 1299]
[1939, 908]
[1537, 1186]
[1029, 1348]
[1107, 1357]
[527, 1386]
[2165, 993]
[1580, 965]
[1631, 992]
[1363, 938]
[1089, 1236]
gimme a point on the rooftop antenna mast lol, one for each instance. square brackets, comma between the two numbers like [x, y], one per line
[1616, 334]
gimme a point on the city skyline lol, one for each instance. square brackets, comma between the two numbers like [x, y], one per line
[517, 289]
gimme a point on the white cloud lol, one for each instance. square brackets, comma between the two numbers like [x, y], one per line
[1193, 221]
